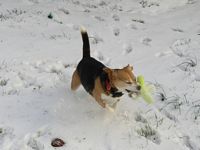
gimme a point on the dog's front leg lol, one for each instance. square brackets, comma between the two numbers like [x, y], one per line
[102, 102]
[98, 98]
[113, 106]
[111, 102]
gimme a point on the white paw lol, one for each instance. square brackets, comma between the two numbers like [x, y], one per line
[111, 109]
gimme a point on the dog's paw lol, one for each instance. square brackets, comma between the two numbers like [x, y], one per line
[110, 108]
[133, 94]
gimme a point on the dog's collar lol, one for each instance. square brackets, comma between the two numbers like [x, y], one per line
[109, 88]
[112, 90]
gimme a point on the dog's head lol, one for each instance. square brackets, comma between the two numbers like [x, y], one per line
[123, 79]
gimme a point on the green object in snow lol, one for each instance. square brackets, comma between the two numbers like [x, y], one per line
[145, 91]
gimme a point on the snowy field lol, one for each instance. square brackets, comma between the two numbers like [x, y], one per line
[40, 46]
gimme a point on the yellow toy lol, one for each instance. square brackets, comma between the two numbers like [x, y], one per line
[145, 92]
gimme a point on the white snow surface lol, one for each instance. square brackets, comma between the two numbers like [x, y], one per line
[160, 38]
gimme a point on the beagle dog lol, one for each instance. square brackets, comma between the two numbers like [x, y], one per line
[106, 85]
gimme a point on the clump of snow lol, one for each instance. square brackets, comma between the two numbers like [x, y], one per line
[116, 17]
[127, 48]
[116, 31]
[95, 39]
[146, 41]
[158, 6]
[181, 47]
[160, 38]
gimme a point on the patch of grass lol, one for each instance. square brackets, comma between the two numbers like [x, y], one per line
[11, 14]
[138, 20]
[174, 101]
[3, 82]
[145, 3]
[1, 130]
[146, 131]
[140, 118]
[159, 121]
[187, 64]
[149, 133]
[65, 11]
[162, 94]
[195, 109]
[177, 30]
[16, 12]
[3, 65]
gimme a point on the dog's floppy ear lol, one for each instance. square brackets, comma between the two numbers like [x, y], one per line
[129, 67]
[110, 74]
[108, 71]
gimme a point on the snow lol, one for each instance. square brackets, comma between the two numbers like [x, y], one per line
[160, 38]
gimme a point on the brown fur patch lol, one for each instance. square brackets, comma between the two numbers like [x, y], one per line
[75, 83]
[96, 93]
[121, 77]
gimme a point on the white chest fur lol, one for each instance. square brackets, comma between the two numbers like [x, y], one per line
[111, 101]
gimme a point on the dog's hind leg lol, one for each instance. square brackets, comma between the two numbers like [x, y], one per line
[75, 83]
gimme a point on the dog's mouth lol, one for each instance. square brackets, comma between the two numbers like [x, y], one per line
[134, 93]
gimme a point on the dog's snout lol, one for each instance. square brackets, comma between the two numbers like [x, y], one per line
[138, 87]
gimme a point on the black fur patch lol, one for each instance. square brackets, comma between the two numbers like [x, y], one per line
[86, 44]
[89, 69]
[103, 79]
[115, 92]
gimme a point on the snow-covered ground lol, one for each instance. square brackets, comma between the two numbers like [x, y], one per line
[40, 45]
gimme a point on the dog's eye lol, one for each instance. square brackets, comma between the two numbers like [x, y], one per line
[128, 82]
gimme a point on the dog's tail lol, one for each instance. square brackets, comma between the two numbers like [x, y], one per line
[86, 44]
